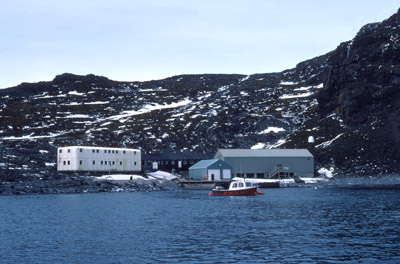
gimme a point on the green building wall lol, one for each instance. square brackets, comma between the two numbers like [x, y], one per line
[250, 165]
[253, 165]
[197, 174]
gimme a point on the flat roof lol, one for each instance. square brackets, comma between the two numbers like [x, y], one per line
[265, 153]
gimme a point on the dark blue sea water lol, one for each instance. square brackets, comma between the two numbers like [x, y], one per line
[288, 225]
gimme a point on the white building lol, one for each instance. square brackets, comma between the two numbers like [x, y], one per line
[78, 158]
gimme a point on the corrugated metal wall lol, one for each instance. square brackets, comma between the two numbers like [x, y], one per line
[258, 165]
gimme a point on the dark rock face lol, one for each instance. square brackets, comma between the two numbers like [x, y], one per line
[347, 99]
[363, 74]
[362, 86]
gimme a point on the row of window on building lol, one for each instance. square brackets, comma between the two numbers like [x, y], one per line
[171, 162]
[98, 151]
[67, 162]
[250, 175]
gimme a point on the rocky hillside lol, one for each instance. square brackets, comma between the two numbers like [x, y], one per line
[362, 86]
[346, 99]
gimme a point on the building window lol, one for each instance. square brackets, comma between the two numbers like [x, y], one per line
[185, 162]
[80, 150]
[116, 151]
[134, 152]
[162, 162]
[93, 150]
[134, 163]
[109, 151]
[192, 162]
[94, 162]
[105, 151]
[97, 151]
[80, 162]
[113, 162]
[64, 162]
[120, 163]
[172, 162]
[124, 152]
[69, 163]
[101, 162]
[60, 150]
[113, 151]
[166, 162]
[69, 150]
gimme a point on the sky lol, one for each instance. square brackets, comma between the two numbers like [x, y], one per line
[139, 40]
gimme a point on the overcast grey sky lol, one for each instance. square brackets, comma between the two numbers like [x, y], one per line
[136, 40]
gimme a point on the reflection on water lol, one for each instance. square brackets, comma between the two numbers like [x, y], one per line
[388, 182]
[287, 225]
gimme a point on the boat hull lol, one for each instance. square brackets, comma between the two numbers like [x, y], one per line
[244, 192]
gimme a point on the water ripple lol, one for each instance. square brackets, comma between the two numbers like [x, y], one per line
[292, 225]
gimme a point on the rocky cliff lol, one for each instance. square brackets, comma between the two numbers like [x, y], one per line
[362, 86]
[347, 99]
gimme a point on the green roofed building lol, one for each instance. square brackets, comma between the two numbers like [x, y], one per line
[268, 163]
[210, 170]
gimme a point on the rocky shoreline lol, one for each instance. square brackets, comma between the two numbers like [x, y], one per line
[90, 184]
[70, 185]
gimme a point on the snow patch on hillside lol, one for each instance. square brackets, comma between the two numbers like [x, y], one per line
[272, 129]
[30, 136]
[76, 93]
[75, 116]
[329, 142]
[289, 83]
[147, 109]
[293, 96]
[259, 145]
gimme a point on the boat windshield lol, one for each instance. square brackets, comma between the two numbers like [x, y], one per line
[248, 184]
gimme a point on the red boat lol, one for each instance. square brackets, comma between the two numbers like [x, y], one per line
[236, 188]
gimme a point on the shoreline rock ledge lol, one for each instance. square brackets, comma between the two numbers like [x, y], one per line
[71, 185]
